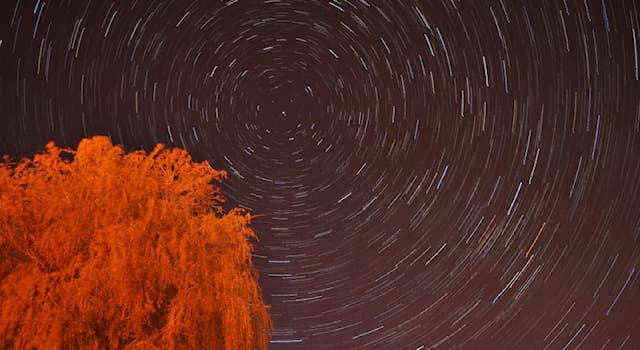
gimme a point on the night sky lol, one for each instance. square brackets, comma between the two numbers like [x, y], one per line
[426, 174]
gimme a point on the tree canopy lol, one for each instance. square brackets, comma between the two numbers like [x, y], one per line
[100, 248]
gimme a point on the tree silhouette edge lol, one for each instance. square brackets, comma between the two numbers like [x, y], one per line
[100, 248]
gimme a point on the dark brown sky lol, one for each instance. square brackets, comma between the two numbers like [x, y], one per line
[450, 174]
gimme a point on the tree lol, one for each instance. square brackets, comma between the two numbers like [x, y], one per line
[105, 249]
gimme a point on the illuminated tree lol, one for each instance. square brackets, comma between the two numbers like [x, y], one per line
[105, 249]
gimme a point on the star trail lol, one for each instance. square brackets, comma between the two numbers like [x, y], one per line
[423, 174]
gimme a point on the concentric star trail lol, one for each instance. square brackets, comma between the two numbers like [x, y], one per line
[423, 174]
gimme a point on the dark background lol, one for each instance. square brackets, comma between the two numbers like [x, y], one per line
[452, 174]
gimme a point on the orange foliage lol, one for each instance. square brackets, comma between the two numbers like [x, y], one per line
[105, 249]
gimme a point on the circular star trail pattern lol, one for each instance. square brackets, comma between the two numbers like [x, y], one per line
[432, 174]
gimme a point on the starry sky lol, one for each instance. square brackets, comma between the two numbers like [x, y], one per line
[424, 174]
